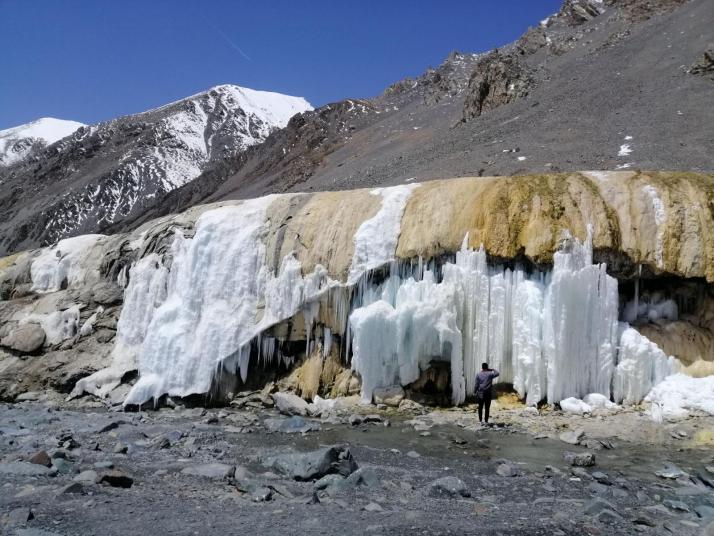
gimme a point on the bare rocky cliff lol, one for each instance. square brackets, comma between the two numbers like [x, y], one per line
[596, 86]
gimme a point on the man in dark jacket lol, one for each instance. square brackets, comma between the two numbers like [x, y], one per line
[484, 382]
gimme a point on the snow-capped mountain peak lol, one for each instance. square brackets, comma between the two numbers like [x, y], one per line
[116, 170]
[17, 142]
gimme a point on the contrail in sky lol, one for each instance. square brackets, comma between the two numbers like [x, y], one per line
[226, 38]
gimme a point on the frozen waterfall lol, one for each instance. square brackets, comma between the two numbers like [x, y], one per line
[552, 335]
[217, 284]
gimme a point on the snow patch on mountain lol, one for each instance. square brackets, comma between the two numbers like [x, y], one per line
[17, 142]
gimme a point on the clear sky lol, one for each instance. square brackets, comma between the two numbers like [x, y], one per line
[92, 60]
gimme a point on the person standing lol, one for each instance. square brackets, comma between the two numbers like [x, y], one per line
[484, 389]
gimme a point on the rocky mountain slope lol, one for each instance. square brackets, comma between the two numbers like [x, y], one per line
[599, 85]
[19, 142]
[106, 173]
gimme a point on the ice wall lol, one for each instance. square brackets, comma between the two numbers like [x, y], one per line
[641, 365]
[212, 292]
[219, 296]
[144, 293]
[182, 325]
[376, 239]
[61, 265]
[552, 335]
[580, 324]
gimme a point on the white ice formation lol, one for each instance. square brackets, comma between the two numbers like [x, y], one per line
[678, 394]
[553, 335]
[650, 308]
[376, 239]
[57, 325]
[62, 265]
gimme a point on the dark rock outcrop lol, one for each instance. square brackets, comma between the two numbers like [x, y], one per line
[705, 65]
[497, 80]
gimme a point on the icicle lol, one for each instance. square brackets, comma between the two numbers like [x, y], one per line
[326, 342]
[641, 365]
[122, 278]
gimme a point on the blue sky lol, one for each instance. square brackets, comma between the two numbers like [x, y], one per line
[92, 60]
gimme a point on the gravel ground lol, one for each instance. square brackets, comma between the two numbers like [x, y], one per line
[514, 475]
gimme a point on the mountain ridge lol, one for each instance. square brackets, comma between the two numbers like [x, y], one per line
[17, 143]
[609, 71]
[601, 84]
[106, 172]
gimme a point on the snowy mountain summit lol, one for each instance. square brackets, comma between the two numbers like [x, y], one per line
[106, 172]
[16, 143]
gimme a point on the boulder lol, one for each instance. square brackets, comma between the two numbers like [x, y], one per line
[572, 437]
[448, 486]
[314, 464]
[218, 471]
[62, 466]
[328, 481]
[261, 494]
[355, 419]
[579, 459]
[598, 505]
[25, 338]
[104, 335]
[87, 477]
[41, 458]
[291, 425]
[601, 477]
[107, 293]
[116, 479]
[407, 405]
[364, 476]
[29, 396]
[670, 471]
[19, 516]
[390, 396]
[25, 469]
[72, 488]
[507, 469]
[676, 505]
[290, 404]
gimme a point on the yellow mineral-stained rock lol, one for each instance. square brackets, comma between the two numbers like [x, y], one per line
[318, 228]
[660, 219]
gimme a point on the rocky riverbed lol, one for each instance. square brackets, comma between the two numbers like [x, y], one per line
[82, 468]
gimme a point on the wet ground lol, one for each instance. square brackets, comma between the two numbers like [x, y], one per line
[514, 475]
